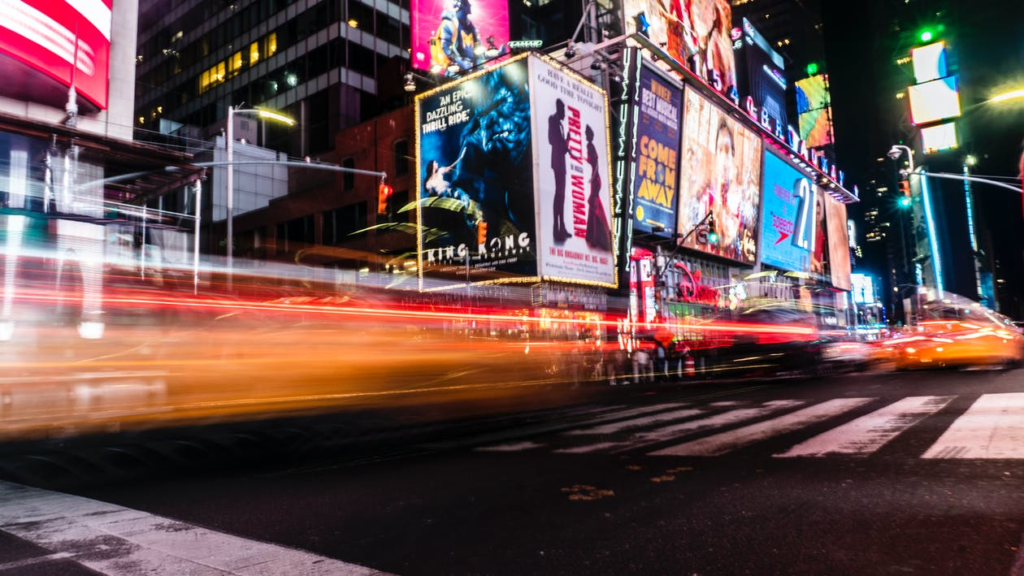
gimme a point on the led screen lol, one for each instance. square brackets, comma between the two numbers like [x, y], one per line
[812, 93]
[721, 168]
[655, 166]
[935, 100]
[696, 33]
[838, 243]
[786, 203]
[816, 127]
[938, 138]
[929, 62]
[47, 36]
[573, 176]
[812, 102]
[863, 289]
[761, 75]
[475, 177]
[450, 37]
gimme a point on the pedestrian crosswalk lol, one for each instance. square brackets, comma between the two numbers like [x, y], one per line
[992, 427]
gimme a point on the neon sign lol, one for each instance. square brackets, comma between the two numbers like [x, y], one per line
[693, 291]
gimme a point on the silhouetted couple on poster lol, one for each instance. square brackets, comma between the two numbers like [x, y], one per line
[598, 231]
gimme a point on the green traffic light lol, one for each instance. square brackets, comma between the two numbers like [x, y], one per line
[713, 238]
[812, 68]
[904, 202]
[926, 36]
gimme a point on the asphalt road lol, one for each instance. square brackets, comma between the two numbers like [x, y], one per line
[910, 473]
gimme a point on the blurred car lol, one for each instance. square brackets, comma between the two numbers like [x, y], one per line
[767, 341]
[957, 332]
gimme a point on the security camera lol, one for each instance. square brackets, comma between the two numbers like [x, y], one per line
[895, 153]
[570, 51]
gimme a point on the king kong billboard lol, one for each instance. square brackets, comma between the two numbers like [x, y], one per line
[513, 178]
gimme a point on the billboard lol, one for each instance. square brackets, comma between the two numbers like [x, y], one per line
[655, 166]
[939, 137]
[863, 289]
[929, 62]
[572, 172]
[814, 109]
[762, 76]
[786, 202]
[817, 236]
[721, 175]
[475, 177]
[697, 33]
[50, 36]
[838, 243]
[935, 100]
[452, 36]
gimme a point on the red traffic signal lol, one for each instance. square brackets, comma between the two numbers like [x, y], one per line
[905, 188]
[383, 193]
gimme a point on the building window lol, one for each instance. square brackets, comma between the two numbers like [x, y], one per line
[254, 53]
[339, 224]
[348, 179]
[401, 148]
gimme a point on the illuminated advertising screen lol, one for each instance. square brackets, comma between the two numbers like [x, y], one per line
[813, 107]
[838, 243]
[935, 100]
[721, 175]
[816, 127]
[572, 170]
[817, 236]
[697, 33]
[929, 62]
[46, 36]
[655, 167]
[863, 289]
[939, 138]
[761, 75]
[475, 177]
[785, 203]
[452, 36]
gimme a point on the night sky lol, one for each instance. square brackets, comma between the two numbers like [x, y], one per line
[986, 41]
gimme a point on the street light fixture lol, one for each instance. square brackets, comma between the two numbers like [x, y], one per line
[229, 180]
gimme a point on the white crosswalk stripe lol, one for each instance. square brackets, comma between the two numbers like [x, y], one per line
[867, 434]
[677, 430]
[992, 428]
[727, 441]
[638, 422]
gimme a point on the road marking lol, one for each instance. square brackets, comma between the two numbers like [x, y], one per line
[992, 428]
[35, 560]
[676, 430]
[115, 540]
[637, 422]
[510, 447]
[867, 434]
[726, 441]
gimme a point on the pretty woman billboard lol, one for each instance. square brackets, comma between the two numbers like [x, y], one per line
[573, 177]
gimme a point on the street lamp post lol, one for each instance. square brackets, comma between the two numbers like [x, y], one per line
[229, 181]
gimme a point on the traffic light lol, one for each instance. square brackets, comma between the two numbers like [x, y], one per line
[905, 188]
[481, 232]
[383, 193]
[812, 68]
[712, 231]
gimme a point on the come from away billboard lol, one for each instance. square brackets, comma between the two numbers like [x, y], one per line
[655, 166]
